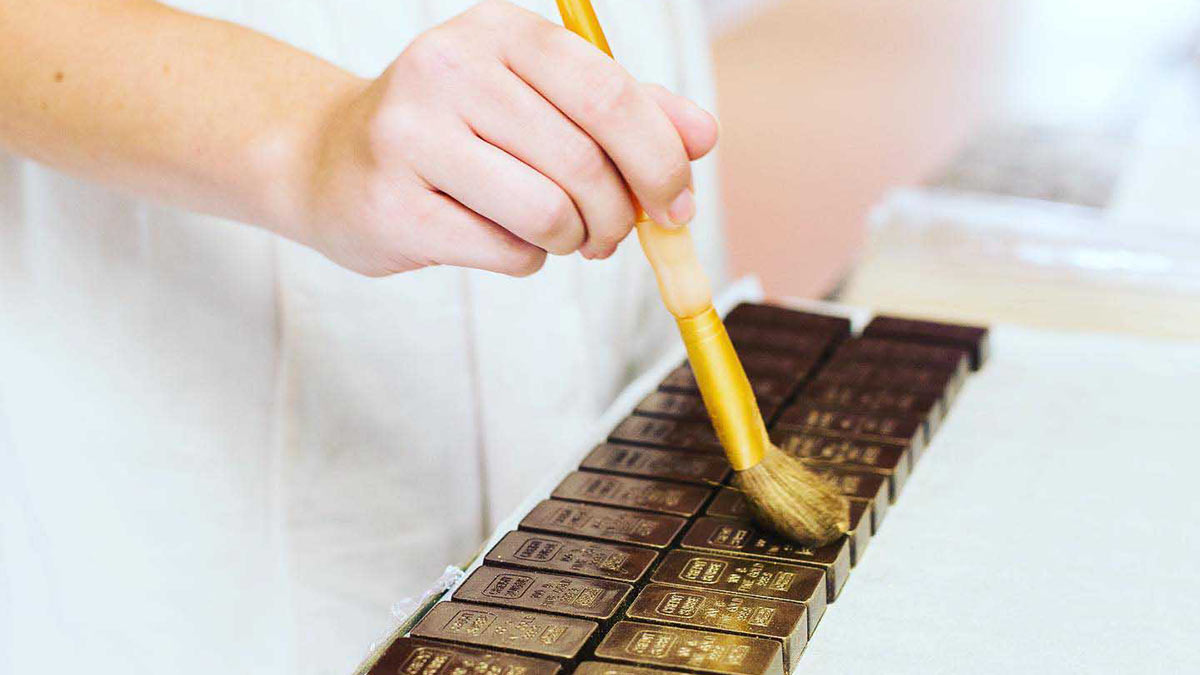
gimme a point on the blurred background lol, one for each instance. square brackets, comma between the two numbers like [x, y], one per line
[993, 160]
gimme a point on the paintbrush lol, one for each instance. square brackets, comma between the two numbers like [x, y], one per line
[783, 494]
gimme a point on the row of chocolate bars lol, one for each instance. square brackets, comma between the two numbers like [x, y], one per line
[643, 562]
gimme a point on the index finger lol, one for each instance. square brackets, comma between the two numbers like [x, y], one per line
[610, 106]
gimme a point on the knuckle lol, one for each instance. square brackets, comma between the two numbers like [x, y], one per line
[585, 159]
[525, 261]
[435, 54]
[551, 217]
[671, 178]
[490, 10]
[609, 93]
[390, 131]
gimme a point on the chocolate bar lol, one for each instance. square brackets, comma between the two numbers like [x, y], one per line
[601, 668]
[858, 485]
[862, 528]
[635, 493]
[410, 656]
[603, 522]
[927, 407]
[697, 651]
[632, 460]
[747, 337]
[664, 433]
[690, 407]
[544, 592]
[557, 637]
[887, 459]
[759, 578]
[576, 556]
[774, 315]
[785, 622]
[912, 379]
[770, 387]
[906, 431]
[743, 537]
[974, 339]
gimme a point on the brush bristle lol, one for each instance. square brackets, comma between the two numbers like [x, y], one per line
[788, 498]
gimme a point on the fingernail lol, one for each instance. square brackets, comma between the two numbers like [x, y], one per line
[683, 209]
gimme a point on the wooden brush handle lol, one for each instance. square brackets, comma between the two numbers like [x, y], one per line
[681, 281]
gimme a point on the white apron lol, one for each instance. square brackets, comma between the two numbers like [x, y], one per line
[221, 453]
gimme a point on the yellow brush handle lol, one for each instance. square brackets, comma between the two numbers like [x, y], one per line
[685, 291]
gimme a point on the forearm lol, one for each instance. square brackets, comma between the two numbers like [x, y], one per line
[200, 113]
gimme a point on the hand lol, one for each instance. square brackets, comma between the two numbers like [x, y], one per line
[494, 139]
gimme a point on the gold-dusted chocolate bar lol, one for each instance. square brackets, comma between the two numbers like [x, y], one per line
[888, 459]
[858, 485]
[861, 529]
[601, 668]
[699, 651]
[603, 522]
[410, 656]
[729, 503]
[666, 433]
[633, 460]
[786, 622]
[759, 578]
[583, 597]
[679, 499]
[906, 431]
[744, 537]
[558, 637]
[550, 553]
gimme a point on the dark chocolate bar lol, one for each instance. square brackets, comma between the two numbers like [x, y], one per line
[793, 319]
[927, 407]
[769, 387]
[633, 460]
[906, 431]
[763, 337]
[743, 537]
[699, 651]
[603, 522]
[557, 637]
[759, 578]
[858, 485]
[704, 609]
[887, 459]
[680, 499]
[665, 433]
[582, 597]
[552, 553]
[861, 528]
[410, 656]
[974, 339]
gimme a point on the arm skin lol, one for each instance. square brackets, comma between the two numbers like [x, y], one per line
[491, 140]
[203, 114]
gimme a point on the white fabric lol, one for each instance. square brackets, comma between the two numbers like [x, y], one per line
[221, 453]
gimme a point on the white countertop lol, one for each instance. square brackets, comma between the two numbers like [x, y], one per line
[1051, 527]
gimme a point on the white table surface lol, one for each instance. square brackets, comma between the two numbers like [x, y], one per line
[1050, 528]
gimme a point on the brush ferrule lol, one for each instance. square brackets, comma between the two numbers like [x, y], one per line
[725, 389]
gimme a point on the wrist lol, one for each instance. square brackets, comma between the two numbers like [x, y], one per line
[289, 158]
